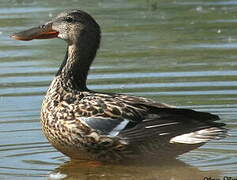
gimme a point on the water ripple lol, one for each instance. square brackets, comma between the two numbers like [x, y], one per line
[182, 53]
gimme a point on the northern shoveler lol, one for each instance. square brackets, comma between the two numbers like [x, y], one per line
[85, 124]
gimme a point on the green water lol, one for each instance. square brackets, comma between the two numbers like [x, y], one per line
[181, 52]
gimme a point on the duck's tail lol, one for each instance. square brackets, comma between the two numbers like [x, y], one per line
[200, 136]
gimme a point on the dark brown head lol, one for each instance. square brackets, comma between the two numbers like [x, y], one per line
[82, 34]
[70, 26]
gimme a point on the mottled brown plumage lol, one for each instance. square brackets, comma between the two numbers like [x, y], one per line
[84, 124]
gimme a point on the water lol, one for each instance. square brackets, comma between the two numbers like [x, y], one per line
[179, 52]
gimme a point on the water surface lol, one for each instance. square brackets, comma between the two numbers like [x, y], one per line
[178, 52]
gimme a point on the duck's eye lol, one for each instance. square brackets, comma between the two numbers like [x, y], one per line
[69, 19]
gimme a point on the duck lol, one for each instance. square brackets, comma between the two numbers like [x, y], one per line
[109, 127]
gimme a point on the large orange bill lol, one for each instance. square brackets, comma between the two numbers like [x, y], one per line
[41, 32]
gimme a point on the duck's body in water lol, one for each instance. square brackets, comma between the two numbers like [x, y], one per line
[84, 124]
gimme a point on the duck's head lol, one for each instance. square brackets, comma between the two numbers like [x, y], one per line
[70, 26]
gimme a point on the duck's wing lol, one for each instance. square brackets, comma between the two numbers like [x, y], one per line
[139, 119]
[178, 126]
[109, 114]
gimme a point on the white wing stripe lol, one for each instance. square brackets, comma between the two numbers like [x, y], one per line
[119, 127]
[160, 125]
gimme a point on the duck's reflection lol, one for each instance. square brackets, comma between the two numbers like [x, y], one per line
[170, 169]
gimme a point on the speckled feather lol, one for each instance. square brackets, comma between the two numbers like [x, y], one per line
[84, 124]
[63, 119]
[65, 113]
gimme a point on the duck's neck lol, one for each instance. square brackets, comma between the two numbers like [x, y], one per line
[75, 67]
